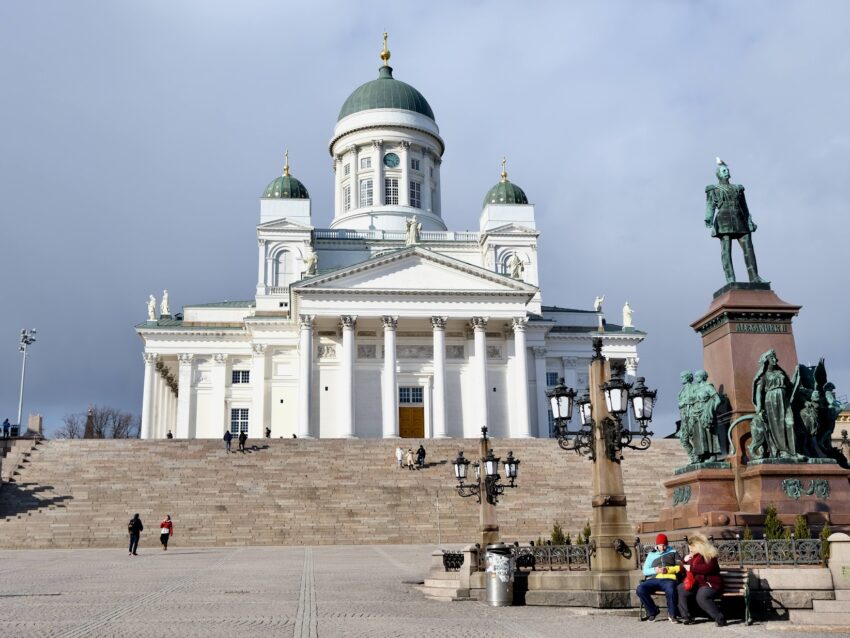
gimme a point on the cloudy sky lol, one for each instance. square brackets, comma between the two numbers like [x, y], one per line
[136, 137]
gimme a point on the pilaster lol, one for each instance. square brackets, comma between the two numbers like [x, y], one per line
[540, 394]
[522, 428]
[305, 373]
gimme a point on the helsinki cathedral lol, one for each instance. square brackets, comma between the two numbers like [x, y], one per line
[384, 323]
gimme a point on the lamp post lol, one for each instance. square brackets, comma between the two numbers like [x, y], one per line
[487, 483]
[27, 338]
[602, 437]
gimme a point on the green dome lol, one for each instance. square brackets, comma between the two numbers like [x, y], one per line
[385, 93]
[505, 192]
[286, 187]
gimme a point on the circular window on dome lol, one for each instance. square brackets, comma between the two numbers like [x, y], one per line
[391, 160]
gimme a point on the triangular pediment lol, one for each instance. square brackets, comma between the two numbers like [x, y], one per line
[283, 224]
[416, 270]
[512, 229]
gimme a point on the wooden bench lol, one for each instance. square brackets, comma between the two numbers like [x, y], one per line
[736, 584]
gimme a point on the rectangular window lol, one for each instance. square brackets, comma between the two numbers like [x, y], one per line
[551, 379]
[416, 194]
[346, 198]
[240, 376]
[365, 162]
[414, 164]
[390, 190]
[346, 170]
[416, 395]
[238, 420]
[410, 396]
[365, 192]
[404, 395]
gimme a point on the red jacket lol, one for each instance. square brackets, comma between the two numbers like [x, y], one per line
[706, 572]
[166, 525]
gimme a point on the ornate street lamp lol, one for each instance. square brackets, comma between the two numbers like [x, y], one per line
[616, 436]
[490, 481]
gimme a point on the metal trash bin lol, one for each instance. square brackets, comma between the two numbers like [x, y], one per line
[499, 574]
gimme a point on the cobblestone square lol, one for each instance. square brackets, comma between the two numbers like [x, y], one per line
[275, 591]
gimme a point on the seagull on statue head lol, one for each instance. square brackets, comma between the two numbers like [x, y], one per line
[720, 162]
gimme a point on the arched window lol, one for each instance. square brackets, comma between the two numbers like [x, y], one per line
[284, 268]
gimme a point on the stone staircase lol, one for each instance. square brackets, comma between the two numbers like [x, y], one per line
[828, 614]
[81, 493]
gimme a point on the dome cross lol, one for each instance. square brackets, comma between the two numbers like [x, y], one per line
[385, 52]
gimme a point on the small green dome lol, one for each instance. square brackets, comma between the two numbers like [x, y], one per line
[385, 93]
[286, 187]
[505, 192]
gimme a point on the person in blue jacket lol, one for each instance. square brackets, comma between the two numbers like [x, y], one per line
[661, 569]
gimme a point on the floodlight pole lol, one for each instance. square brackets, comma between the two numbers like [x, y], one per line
[27, 337]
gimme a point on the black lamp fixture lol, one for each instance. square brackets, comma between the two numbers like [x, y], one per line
[618, 395]
[493, 488]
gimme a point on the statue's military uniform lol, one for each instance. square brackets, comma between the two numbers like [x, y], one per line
[732, 216]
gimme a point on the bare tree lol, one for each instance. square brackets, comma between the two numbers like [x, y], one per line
[100, 422]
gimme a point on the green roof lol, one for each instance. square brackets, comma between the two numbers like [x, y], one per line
[385, 93]
[505, 192]
[286, 187]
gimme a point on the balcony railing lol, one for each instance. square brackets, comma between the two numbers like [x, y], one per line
[384, 235]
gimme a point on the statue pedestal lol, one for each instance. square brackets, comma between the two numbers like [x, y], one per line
[700, 496]
[743, 322]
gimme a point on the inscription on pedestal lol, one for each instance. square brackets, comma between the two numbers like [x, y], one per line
[763, 328]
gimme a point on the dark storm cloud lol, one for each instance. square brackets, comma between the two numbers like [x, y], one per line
[137, 137]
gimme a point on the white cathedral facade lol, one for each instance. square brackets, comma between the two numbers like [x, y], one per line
[386, 323]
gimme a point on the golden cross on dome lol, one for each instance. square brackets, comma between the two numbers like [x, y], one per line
[385, 53]
[286, 163]
[504, 172]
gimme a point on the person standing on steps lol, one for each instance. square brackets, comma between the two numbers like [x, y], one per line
[268, 432]
[169, 435]
[420, 456]
[166, 530]
[242, 438]
[408, 459]
[134, 527]
[227, 438]
[399, 457]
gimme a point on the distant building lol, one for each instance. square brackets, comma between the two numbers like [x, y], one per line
[385, 323]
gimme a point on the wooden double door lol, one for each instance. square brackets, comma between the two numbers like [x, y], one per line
[411, 413]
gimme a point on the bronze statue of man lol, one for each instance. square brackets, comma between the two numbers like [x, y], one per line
[728, 217]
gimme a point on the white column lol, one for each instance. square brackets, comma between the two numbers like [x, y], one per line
[346, 409]
[257, 417]
[218, 418]
[184, 394]
[355, 177]
[337, 166]
[404, 181]
[390, 385]
[523, 425]
[147, 394]
[439, 407]
[262, 271]
[378, 190]
[426, 180]
[428, 408]
[540, 391]
[156, 426]
[305, 374]
[479, 326]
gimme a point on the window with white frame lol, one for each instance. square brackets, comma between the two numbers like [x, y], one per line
[365, 192]
[390, 190]
[416, 194]
[240, 376]
[410, 396]
[414, 164]
[365, 162]
[238, 420]
[346, 198]
[551, 379]
[346, 170]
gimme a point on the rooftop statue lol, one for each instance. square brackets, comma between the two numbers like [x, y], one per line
[515, 266]
[728, 217]
[311, 264]
[597, 303]
[412, 232]
[627, 316]
[163, 305]
[151, 308]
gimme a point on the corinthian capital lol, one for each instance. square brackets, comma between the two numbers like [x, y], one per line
[258, 348]
[306, 321]
[150, 357]
[519, 323]
[348, 321]
[220, 358]
[479, 323]
[439, 323]
[390, 323]
[539, 351]
[185, 357]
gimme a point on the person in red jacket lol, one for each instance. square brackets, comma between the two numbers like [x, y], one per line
[706, 584]
[166, 529]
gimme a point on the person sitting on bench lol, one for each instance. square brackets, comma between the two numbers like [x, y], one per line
[661, 569]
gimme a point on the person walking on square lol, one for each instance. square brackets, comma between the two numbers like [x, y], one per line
[399, 457]
[408, 459]
[420, 456]
[135, 527]
[702, 582]
[227, 438]
[660, 569]
[242, 438]
[166, 530]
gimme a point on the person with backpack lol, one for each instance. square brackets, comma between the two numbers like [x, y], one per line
[134, 528]
[166, 530]
[420, 456]
[227, 438]
[243, 436]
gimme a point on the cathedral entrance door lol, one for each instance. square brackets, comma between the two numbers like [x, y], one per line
[411, 413]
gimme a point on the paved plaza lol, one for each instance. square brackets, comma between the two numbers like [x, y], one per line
[275, 591]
